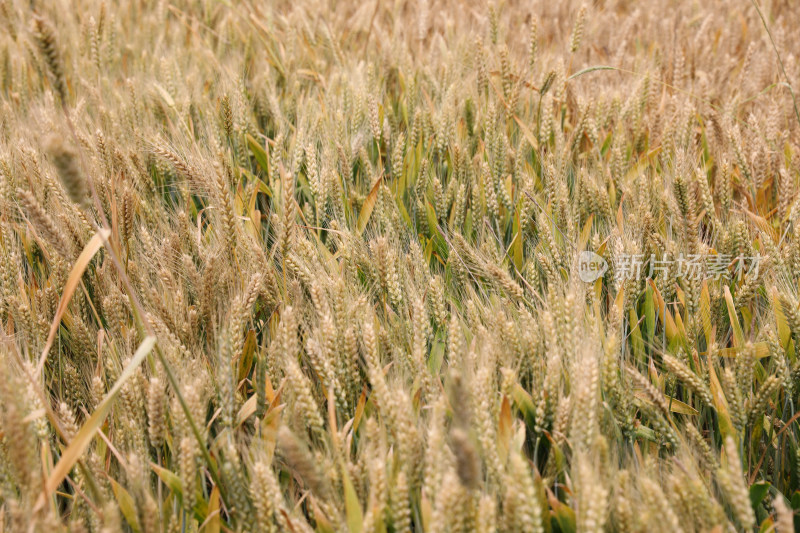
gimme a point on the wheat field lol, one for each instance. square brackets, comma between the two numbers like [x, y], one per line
[436, 265]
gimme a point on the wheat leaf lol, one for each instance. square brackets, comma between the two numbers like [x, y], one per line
[84, 437]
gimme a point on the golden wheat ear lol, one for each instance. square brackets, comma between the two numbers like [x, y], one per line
[45, 37]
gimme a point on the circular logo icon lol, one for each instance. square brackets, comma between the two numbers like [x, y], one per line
[591, 266]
